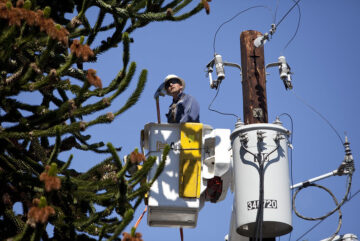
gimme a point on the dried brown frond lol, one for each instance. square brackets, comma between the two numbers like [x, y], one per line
[136, 157]
[15, 16]
[128, 237]
[93, 78]
[20, 3]
[206, 6]
[80, 50]
[51, 182]
[39, 214]
[169, 12]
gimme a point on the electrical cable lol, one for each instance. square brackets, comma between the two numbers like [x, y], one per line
[314, 226]
[291, 151]
[296, 3]
[260, 213]
[337, 208]
[296, 31]
[353, 195]
[291, 156]
[232, 18]
[209, 107]
[329, 213]
[276, 9]
[322, 217]
[317, 112]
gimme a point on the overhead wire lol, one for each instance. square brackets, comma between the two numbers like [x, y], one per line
[345, 199]
[287, 13]
[276, 9]
[319, 114]
[297, 28]
[214, 44]
[232, 18]
[338, 205]
[291, 155]
[222, 113]
[317, 224]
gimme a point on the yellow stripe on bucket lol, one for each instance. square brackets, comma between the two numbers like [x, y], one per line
[190, 160]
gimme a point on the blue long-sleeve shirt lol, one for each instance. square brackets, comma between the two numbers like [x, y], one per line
[185, 109]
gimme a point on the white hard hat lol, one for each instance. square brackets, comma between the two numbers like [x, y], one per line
[172, 76]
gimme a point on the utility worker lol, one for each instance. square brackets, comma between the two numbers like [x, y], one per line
[184, 107]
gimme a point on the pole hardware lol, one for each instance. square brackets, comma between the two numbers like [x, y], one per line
[261, 40]
[258, 113]
[284, 71]
[220, 71]
[278, 137]
[346, 168]
[244, 139]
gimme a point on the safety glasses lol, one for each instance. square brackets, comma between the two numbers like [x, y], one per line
[171, 81]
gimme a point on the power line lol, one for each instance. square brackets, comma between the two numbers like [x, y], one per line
[322, 117]
[296, 3]
[276, 9]
[297, 28]
[232, 18]
[209, 107]
[317, 224]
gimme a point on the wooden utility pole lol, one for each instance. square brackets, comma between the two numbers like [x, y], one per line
[253, 79]
[253, 83]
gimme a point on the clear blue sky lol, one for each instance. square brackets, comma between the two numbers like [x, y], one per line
[324, 59]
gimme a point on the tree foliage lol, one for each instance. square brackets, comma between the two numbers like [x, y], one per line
[43, 48]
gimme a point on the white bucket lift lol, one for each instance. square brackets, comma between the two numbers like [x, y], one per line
[269, 143]
[168, 203]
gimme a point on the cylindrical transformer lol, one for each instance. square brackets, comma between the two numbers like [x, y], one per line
[268, 144]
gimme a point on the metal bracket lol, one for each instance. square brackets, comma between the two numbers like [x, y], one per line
[258, 113]
[219, 66]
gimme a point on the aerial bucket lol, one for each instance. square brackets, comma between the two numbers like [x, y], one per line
[198, 153]
[267, 142]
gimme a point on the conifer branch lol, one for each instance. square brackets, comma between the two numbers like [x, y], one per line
[44, 53]
[136, 94]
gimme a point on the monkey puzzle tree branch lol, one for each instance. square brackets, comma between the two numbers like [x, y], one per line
[43, 54]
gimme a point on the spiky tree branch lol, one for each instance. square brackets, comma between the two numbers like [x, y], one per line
[43, 52]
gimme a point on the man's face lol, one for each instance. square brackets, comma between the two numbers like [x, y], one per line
[173, 87]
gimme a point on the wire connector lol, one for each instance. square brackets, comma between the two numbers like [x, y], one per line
[347, 167]
[278, 137]
[261, 40]
[273, 29]
[244, 139]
